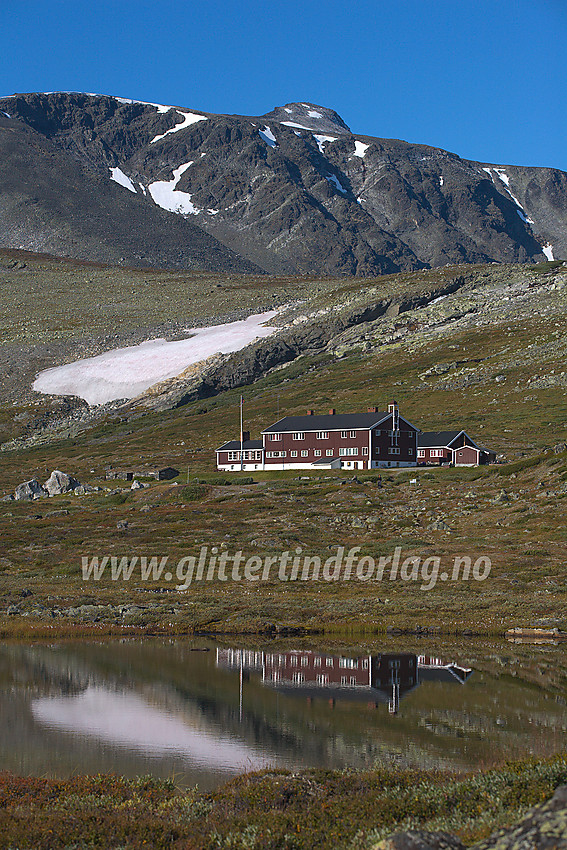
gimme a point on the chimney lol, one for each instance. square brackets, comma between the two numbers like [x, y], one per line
[245, 436]
[372, 410]
[332, 411]
[393, 407]
[310, 412]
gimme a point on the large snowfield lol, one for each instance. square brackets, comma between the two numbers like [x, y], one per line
[127, 372]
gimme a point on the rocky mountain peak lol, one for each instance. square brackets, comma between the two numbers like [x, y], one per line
[309, 116]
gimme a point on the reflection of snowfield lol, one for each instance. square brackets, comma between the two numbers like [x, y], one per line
[129, 721]
[126, 372]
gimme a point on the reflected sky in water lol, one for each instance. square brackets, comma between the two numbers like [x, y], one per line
[154, 706]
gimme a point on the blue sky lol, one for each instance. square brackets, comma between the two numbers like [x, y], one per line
[486, 80]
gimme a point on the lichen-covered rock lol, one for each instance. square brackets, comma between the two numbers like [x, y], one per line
[59, 482]
[29, 490]
[543, 828]
[419, 840]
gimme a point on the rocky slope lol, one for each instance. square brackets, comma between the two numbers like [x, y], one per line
[292, 191]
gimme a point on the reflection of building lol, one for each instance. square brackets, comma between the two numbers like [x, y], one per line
[379, 678]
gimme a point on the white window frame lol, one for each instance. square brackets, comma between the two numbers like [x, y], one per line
[317, 452]
[352, 434]
[299, 435]
[322, 435]
[293, 454]
[304, 452]
[329, 453]
[275, 437]
[421, 452]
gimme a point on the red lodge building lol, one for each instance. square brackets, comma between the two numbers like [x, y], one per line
[372, 440]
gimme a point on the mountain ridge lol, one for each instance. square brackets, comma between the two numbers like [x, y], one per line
[293, 191]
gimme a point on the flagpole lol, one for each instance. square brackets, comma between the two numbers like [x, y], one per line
[241, 438]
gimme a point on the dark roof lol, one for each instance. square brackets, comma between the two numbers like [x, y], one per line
[328, 422]
[436, 439]
[324, 460]
[234, 445]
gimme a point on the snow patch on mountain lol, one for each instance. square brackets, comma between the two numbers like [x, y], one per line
[335, 181]
[293, 124]
[188, 119]
[314, 114]
[548, 251]
[127, 372]
[360, 148]
[503, 177]
[122, 179]
[268, 137]
[321, 141]
[159, 106]
[165, 194]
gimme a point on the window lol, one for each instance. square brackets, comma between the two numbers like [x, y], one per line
[293, 660]
[421, 452]
[353, 433]
[294, 454]
[317, 661]
[276, 454]
[329, 453]
[304, 661]
[353, 680]
[344, 680]
[348, 662]
[330, 662]
[322, 435]
[304, 452]
[298, 678]
[410, 452]
[344, 434]
[299, 435]
[394, 450]
[317, 452]
[275, 436]
[365, 664]
[234, 455]
[378, 432]
[437, 453]
[376, 450]
[365, 450]
[348, 451]
[322, 679]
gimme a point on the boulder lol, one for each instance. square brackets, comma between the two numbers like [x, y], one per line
[29, 490]
[59, 482]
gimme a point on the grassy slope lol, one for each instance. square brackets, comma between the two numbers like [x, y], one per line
[314, 809]
[524, 535]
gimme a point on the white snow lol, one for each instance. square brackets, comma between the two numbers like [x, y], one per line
[129, 720]
[360, 148]
[6, 114]
[165, 194]
[159, 106]
[267, 135]
[335, 181]
[188, 119]
[314, 114]
[127, 372]
[142, 187]
[289, 111]
[501, 174]
[548, 251]
[293, 124]
[122, 179]
[322, 139]
[441, 180]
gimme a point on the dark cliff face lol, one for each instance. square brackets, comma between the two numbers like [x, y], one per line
[293, 191]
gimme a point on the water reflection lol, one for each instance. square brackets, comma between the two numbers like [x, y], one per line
[136, 706]
[384, 677]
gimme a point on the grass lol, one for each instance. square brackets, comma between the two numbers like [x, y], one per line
[272, 809]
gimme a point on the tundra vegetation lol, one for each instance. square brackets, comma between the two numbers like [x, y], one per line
[489, 359]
